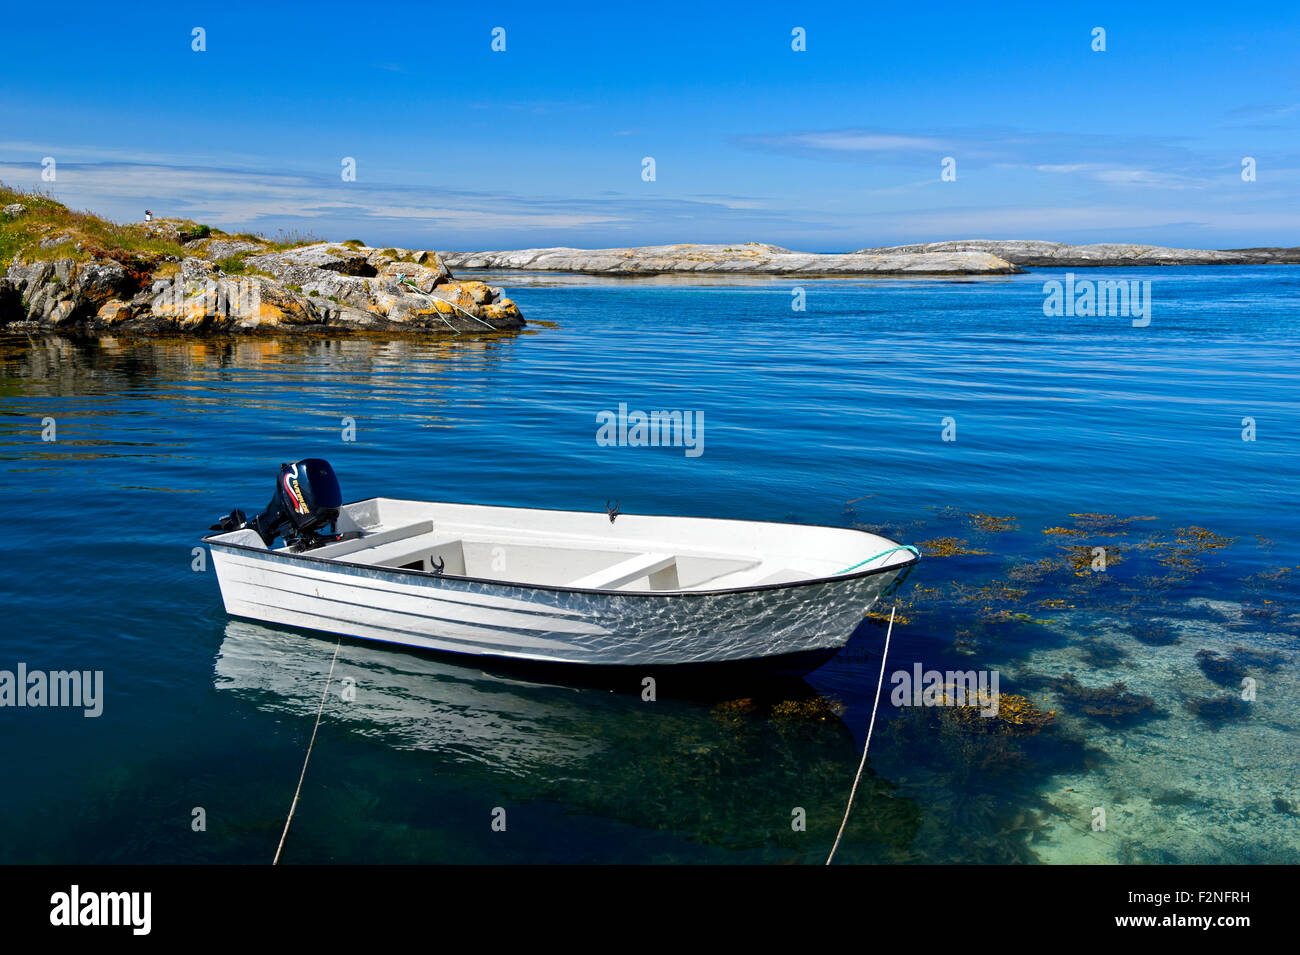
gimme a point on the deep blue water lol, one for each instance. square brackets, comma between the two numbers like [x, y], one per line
[834, 415]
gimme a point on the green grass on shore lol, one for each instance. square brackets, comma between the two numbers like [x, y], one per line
[46, 217]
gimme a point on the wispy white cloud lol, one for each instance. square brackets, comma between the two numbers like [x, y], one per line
[539, 107]
[479, 219]
[1056, 221]
[240, 200]
[1150, 178]
[1265, 111]
[852, 141]
[1118, 201]
[989, 146]
[1121, 176]
[731, 202]
[904, 188]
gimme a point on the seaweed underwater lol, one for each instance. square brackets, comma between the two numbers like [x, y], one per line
[1113, 625]
[732, 780]
[944, 783]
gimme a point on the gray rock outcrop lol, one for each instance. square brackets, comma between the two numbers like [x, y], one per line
[1032, 253]
[959, 257]
[751, 258]
[323, 285]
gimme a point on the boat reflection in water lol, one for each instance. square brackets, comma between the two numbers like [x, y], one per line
[701, 765]
[404, 700]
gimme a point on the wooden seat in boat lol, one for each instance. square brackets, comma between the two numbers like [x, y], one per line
[626, 571]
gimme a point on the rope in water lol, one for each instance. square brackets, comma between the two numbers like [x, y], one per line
[883, 553]
[303, 776]
[884, 655]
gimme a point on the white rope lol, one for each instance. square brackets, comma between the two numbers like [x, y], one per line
[303, 776]
[441, 299]
[884, 655]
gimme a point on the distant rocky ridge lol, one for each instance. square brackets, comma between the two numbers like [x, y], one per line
[165, 276]
[753, 258]
[1032, 253]
[961, 257]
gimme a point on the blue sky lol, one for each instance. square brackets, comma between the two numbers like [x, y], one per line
[835, 148]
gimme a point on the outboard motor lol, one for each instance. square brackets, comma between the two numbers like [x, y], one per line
[306, 499]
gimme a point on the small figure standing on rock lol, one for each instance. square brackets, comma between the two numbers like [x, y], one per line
[148, 216]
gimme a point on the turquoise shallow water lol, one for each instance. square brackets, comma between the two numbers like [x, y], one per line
[1070, 434]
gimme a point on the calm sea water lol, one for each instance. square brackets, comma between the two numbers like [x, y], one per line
[1070, 434]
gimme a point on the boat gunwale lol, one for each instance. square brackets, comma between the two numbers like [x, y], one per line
[211, 541]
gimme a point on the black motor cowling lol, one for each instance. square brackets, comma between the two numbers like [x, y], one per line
[306, 499]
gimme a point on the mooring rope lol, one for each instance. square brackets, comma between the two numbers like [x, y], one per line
[412, 285]
[296, 792]
[877, 557]
[884, 655]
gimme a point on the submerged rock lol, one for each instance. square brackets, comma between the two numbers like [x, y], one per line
[1218, 669]
[1217, 711]
[1112, 703]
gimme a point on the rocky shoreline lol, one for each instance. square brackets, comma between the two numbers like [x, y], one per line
[73, 272]
[961, 257]
[172, 277]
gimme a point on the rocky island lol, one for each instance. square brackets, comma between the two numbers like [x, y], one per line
[960, 257]
[749, 258]
[1033, 253]
[73, 271]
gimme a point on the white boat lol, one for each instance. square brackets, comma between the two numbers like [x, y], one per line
[572, 587]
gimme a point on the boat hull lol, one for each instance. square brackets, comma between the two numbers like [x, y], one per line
[801, 623]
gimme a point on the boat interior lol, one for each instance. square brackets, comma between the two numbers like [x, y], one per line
[587, 551]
